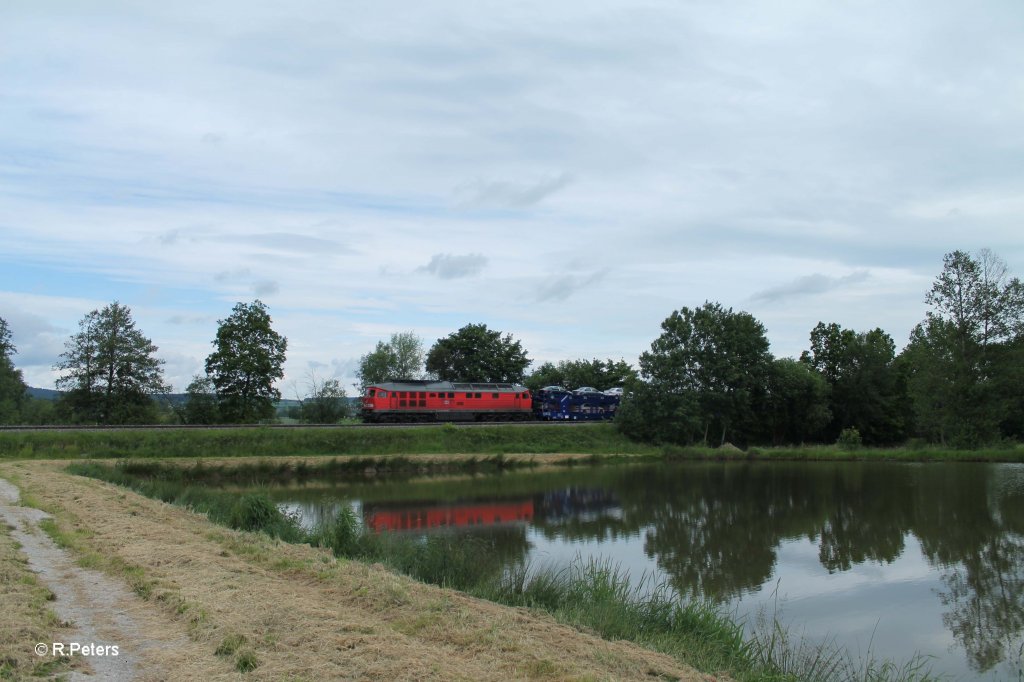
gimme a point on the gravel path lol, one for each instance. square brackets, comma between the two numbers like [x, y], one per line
[101, 610]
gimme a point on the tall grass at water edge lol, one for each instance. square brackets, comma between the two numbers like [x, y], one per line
[593, 594]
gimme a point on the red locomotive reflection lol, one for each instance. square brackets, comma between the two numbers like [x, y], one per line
[423, 517]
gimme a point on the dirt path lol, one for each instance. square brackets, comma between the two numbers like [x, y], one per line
[100, 611]
[293, 612]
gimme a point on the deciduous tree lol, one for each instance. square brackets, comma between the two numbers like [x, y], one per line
[862, 379]
[401, 357]
[959, 358]
[248, 358]
[712, 364]
[200, 405]
[476, 353]
[109, 370]
[12, 386]
[325, 401]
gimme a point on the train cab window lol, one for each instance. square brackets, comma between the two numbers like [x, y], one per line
[495, 396]
[370, 392]
[526, 395]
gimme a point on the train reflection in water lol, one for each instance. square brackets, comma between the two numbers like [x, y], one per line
[552, 506]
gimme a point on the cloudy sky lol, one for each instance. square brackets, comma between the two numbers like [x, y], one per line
[568, 172]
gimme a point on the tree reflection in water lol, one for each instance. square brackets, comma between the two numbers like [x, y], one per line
[714, 529]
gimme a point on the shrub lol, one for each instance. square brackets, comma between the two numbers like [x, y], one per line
[849, 439]
[255, 512]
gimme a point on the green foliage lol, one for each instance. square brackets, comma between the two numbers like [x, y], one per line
[354, 441]
[200, 404]
[12, 386]
[709, 368]
[863, 386]
[476, 353]
[797, 403]
[850, 439]
[399, 358]
[961, 359]
[254, 512]
[325, 403]
[109, 371]
[341, 535]
[575, 373]
[248, 358]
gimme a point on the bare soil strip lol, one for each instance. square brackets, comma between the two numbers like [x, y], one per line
[98, 610]
[292, 612]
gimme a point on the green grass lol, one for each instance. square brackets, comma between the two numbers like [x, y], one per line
[586, 440]
[267, 442]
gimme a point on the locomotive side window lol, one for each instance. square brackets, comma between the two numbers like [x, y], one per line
[383, 394]
[469, 395]
[494, 395]
[433, 395]
[451, 395]
[477, 395]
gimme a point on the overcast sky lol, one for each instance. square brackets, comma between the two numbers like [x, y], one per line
[568, 172]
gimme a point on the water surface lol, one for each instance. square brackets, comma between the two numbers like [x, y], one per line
[883, 557]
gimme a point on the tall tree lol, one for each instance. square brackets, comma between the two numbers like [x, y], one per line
[248, 358]
[958, 357]
[401, 357]
[715, 361]
[476, 353]
[12, 385]
[109, 370]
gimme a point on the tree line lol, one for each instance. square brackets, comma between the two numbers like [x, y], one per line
[708, 378]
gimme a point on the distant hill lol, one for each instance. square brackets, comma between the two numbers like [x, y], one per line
[43, 393]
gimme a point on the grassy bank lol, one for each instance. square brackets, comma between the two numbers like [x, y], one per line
[266, 442]
[592, 595]
[589, 439]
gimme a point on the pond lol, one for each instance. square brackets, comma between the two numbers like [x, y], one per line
[885, 558]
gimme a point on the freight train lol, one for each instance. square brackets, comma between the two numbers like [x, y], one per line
[446, 401]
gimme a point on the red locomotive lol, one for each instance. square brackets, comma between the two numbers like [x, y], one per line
[440, 401]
